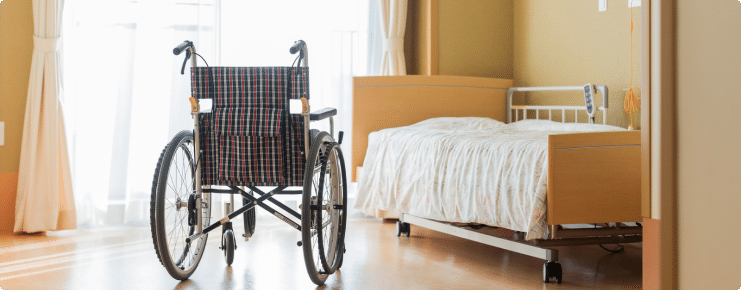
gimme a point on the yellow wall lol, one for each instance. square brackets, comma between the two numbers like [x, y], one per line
[708, 96]
[474, 38]
[566, 43]
[535, 42]
[16, 45]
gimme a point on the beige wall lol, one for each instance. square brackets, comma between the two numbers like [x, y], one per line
[415, 38]
[16, 45]
[708, 97]
[566, 43]
[475, 38]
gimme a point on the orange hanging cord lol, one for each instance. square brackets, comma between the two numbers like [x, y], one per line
[629, 105]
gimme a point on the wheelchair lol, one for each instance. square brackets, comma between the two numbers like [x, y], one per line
[249, 138]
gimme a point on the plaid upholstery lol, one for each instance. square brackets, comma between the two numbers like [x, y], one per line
[250, 138]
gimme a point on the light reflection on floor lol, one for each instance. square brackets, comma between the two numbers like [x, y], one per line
[124, 258]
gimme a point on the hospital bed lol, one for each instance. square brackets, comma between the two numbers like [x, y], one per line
[593, 177]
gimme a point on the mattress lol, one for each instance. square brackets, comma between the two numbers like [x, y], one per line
[467, 170]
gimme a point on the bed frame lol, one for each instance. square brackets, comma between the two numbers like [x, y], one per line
[593, 178]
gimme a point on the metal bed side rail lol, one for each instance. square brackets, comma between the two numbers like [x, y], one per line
[603, 89]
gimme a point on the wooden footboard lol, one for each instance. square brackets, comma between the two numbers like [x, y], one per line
[594, 177]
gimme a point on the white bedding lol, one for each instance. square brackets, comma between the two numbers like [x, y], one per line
[470, 170]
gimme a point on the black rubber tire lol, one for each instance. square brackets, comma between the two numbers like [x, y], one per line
[340, 158]
[322, 254]
[312, 134]
[343, 212]
[152, 199]
[228, 246]
[552, 270]
[546, 274]
[180, 145]
[403, 228]
[619, 249]
[342, 259]
[250, 219]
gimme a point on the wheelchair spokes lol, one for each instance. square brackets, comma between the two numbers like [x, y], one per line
[324, 197]
[172, 199]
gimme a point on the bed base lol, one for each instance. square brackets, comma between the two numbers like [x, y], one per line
[540, 248]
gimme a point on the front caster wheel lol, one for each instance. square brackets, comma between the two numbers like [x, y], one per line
[403, 228]
[228, 244]
[552, 270]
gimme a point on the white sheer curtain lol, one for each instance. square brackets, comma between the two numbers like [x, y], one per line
[259, 33]
[386, 28]
[127, 97]
[393, 15]
[374, 61]
[45, 199]
[130, 98]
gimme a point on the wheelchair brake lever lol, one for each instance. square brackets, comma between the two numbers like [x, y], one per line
[185, 61]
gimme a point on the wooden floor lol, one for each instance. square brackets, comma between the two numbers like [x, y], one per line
[123, 258]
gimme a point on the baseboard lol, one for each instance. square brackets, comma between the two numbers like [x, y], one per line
[651, 254]
[8, 189]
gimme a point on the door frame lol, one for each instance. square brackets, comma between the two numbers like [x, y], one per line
[658, 148]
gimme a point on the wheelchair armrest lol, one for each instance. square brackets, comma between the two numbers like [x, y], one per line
[322, 114]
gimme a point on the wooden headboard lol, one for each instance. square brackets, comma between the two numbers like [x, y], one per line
[394, 101]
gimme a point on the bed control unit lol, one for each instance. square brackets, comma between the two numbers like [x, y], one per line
[589, 101]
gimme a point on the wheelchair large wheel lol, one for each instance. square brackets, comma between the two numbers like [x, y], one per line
[173, 196]
[323, 208]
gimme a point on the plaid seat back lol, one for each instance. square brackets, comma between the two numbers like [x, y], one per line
[250, 138]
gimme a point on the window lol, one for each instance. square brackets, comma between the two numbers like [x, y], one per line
[125, 98]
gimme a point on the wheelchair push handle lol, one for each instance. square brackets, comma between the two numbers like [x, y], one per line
[297, 46]
[178, 49]
[189, 49]
[300, 46]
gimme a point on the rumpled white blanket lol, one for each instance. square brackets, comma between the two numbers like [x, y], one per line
[469, 170]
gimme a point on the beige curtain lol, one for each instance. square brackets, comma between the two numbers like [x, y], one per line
[44, 200]
[393, 23]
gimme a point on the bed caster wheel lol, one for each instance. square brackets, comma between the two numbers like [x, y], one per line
[228, 243]
[552, 270]
[402, 228]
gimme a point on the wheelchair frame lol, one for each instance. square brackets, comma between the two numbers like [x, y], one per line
[201, 191]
